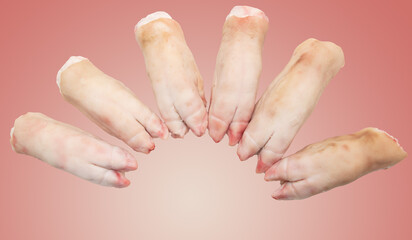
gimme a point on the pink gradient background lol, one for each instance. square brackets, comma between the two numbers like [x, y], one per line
[194, 188]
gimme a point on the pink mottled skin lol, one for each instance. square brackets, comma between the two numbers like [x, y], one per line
[72, 150]
[175, 78]
[111, 105]
[333, 162]
[237, 72]
[288, 102]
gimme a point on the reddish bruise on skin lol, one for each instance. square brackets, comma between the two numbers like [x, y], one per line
[14, 145]
[106, 121]
[279, 195]
[121, 181]
[346, 147]
[151, 148]
[118, 176]
[145, 149]
[260, 165]
[164, 131]
[160, 132]
[218, 124]
[235, 136]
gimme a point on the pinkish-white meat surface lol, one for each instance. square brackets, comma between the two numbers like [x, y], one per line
[334, 162]
[288, 101]
[237, 72]
[176, 80]
[110, 104]
[72, 150]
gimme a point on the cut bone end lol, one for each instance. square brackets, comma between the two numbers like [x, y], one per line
[72, 60]
[246, 11]
[391, 137]
[392, 155]
[11, 138]
[152, 17]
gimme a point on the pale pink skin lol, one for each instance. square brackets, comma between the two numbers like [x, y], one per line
[111, 105]
[334, 162]
[288, 102]
[238, 68]
[176, 80]
[72, 150]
